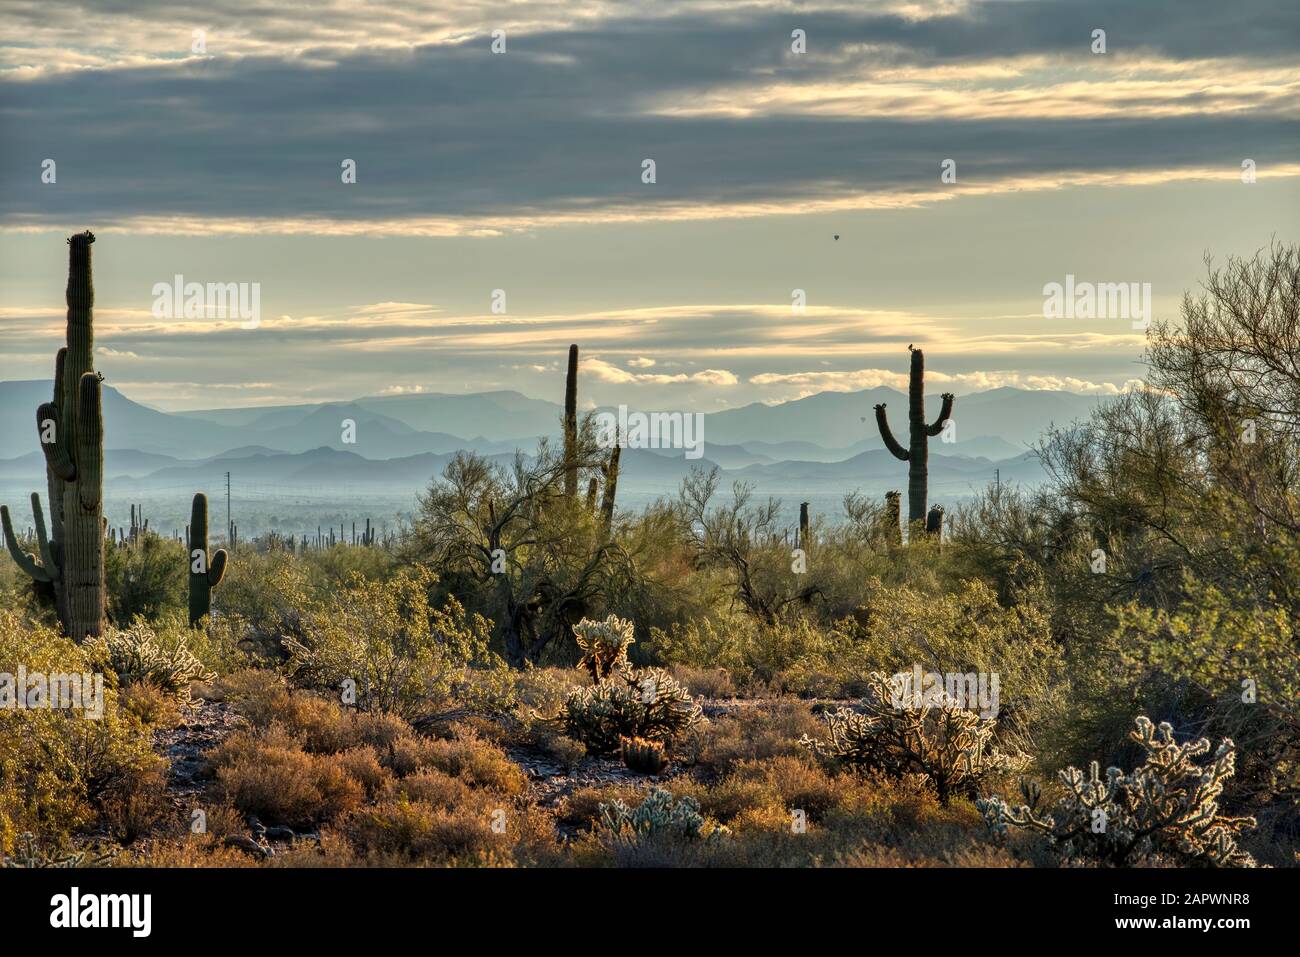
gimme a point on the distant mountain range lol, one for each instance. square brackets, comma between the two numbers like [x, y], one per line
[817, 448]
[829, 426]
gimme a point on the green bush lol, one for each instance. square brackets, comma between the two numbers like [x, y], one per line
[146, 579]
[383, 641]
[59, 766]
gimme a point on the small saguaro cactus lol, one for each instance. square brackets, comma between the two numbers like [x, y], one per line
[804, 524]
[71, 427]
[571, 425]
[610, 471]
[917, 455]
[934, 521]
[893, 518]
[206, 569]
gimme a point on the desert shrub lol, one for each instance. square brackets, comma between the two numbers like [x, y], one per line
[560, 748]
[1238, 666]
[603, 644]
[152, 705]
[635, 703]
[145, 579]
[268, 774]
[758, 732]
[902, 732]
[705, 682]
[1165, 811]
[477, 762]
[362, 765]
[57, 765]
[400, 655]
[415, 831]
[434, 788]
[753, 652]
[135, 654]
[29, 853]
[544, 689]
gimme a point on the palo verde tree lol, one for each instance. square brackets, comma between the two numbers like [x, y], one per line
[538, 560]
[742, 539]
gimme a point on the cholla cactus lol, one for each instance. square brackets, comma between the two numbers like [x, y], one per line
[28, 854]
[900, 734]
[659, 815]
[604, 645]
[1166, 810]
[134, 655]
[642, 756]
[647, 703]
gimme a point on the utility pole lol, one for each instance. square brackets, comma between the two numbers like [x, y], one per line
[997, 478]
[228, 525]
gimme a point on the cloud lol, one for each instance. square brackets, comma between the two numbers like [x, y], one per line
[856, 380]
[607, 372]
[451, 140]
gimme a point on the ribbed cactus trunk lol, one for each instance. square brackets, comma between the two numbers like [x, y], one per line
[803, 524]
[918, 453]
[71, 429]
[611, 489]
[571, 425]
[206, 568]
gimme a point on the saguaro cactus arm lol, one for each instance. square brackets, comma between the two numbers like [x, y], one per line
[24, 560]
[217, 567]
[945, 413]
[49, 425]
[891, 443]
[43, 539]
[90, 442]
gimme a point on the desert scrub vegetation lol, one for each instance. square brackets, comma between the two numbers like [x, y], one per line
[63, 771]
[390, 649]
[137, 655]
[520, 648]
[903, 731]
[1166, 810]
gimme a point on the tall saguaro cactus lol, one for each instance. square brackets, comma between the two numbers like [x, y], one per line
[206, 568]
[71, 429]
[917, 455]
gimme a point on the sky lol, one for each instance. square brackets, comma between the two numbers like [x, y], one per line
[208, 140]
